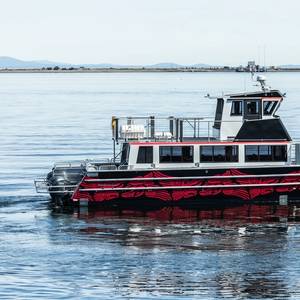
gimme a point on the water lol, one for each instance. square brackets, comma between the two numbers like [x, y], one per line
[48, 254]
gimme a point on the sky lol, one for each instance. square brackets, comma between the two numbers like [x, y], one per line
[217, 32]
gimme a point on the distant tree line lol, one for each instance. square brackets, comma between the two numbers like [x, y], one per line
[56, 68]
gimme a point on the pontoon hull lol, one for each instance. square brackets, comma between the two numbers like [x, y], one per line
[189, 189]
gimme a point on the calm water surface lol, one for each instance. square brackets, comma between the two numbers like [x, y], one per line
[47, 254]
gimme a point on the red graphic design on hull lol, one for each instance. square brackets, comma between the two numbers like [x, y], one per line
[244, 193]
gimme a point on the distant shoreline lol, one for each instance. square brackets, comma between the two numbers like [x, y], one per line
[139, 70]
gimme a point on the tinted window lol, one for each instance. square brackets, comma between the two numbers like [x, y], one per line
[236, 108]
[252, 107]
[251, 153]
[174, 154]
[265, 153]
[145, 155]
[279, 153]
[206, 153]
[125, 153]
[269, 107]
[219, 153]
[219, 112]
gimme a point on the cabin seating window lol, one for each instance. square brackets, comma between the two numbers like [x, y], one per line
[176, 154]
[279, 153]
[236, 108]
[265, 153]
[255, 153]
[251, 153]
[145, 155]
[269, 107]
[219, 153]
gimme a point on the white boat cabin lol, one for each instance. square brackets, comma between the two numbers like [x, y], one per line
[232, 111]
[157, 155]
[244, 132]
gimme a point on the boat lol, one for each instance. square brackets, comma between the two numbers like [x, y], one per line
[242, 155]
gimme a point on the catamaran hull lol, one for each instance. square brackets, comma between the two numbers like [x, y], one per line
[188, 189]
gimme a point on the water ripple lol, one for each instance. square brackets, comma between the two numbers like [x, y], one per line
[49, 254]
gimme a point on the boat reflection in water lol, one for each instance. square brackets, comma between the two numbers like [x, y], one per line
[239, 252]
[246, 212]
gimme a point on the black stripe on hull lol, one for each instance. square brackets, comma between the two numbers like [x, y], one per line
[198, 172]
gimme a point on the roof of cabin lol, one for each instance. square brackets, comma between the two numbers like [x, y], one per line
[268, 129]
[259, 94]
[172, 143]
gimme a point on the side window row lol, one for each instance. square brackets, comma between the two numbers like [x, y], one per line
[185, 154]
[252, 107]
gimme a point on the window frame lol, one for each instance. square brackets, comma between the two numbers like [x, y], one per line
[273, 107]
[241, 108]
[234, 154]
[272, 153]
[145, 155]
[251, 116]
[256, 105]
[125, 153]
[172, 161]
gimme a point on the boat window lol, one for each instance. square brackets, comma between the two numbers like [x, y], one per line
[252, 107]
[125, 153]
[265, 153]
[206, 153]
[145, 155]
[176, 154]
[219, 112]
[279, 153]
[219, 153]
[251, 153]
[236, 108]
[269, 107]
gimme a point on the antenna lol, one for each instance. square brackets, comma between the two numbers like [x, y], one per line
[252, 74]
[262, 80]
[264, 57]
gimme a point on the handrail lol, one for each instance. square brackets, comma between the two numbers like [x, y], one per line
[191, 177]
[42, 186]
[220, 186]
[173, 128]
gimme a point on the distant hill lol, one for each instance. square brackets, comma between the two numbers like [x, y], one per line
[13, 63]
[165, 66]
[7, 62]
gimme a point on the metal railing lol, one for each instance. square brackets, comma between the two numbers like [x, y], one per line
[161, 128]
[294, 153]
[42, 186]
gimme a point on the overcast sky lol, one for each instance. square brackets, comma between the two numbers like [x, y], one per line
[145, 32]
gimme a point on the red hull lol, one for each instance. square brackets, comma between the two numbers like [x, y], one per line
[231, 184]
